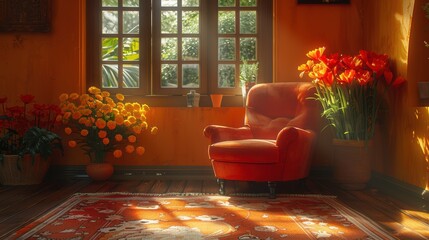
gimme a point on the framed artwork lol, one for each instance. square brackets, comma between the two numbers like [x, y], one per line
[25, 15]
[323, 1]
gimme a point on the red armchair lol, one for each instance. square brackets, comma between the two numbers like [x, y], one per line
[276, 141]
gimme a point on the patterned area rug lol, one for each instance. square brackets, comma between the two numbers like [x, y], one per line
[142, 216]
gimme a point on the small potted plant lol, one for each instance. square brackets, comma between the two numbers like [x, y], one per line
[99, 124]
[27, 141]
[248, 77]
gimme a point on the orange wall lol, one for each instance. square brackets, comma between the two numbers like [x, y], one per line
[303, 27]
[51, 63]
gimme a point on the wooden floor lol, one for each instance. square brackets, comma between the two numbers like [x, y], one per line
[22, 204]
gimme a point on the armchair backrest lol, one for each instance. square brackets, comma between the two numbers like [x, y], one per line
[272, 106]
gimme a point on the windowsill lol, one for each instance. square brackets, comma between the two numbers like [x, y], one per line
[180, 101]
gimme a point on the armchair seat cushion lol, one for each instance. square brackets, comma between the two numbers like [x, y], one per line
[257, 151]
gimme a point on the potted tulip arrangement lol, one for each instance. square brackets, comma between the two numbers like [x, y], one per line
[99, 124]
[27, 140]
[350, 90]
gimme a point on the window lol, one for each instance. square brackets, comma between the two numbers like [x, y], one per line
[168, 47]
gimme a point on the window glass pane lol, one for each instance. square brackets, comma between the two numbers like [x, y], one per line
[109, 49]
[168, 48]
[226, 76]
[109, 3]
[190, 49]
[226, 49]
[190, 3]
[131, 22]
[109, 78]
[169, 3]
[226, 3]
[131, 73]
[191, 75]
[168, 21]
[190, 21]
[110, 22]
[226, 22]
[169, 75]
[131, 3]
[248, 48]
[248, 22]
[248, 3]
[130, 49]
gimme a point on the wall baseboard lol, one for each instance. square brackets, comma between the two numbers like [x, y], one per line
[408, 193]
[136, 172]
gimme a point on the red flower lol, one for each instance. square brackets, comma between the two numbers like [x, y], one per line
[26, 98]
[398, 81]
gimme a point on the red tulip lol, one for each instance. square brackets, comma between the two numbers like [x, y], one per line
[26, 98]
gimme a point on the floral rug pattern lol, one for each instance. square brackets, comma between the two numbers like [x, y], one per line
[141, 216]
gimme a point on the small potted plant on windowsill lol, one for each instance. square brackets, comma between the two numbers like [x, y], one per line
[27, 141]
[248, 77]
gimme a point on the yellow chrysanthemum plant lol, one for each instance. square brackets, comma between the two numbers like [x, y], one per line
[99, 123]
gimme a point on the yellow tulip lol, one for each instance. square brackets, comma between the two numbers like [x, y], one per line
[117, 153]
[137, 129]
[154, 130]
[76, 115]
[74, 96]
[63, 97]
[129, 148]
[94, 90]
[68, 130]
[105, 94]
[119, 120]
[118, 137]
[100, 123]
[111, 124]
[120, 97]
[132, 139]
[102, 134]
[84, 132]
[72, 143]
[140, 150]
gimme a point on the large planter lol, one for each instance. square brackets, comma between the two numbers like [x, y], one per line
[100, 171]
[352, 163]
[15, 170]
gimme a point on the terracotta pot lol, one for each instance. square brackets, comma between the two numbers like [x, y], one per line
[216, 99]
[352, 163]
[25, 171]
[99, 171]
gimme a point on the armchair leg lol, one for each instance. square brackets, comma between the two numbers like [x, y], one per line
[221, 183]
[272, 187]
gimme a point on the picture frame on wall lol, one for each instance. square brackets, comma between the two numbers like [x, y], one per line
[323, 1]
[25, 15]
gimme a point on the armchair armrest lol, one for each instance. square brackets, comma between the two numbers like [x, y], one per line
[296, 147]
[217, 133]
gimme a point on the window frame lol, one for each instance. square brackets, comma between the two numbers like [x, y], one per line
[150, 66]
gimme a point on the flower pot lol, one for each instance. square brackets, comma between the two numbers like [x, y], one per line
[23, 171]
[352, 163]
[216, 99]
[99, 171]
